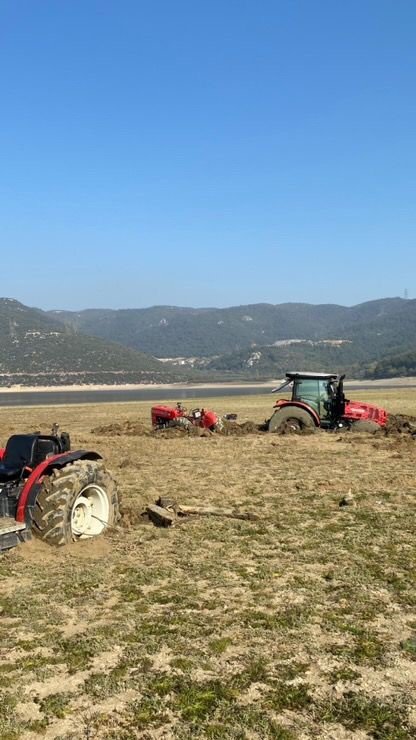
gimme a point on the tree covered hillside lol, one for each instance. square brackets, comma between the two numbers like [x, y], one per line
[35, 349]
[262, 341]
[165, 331]
[395, 365]
[272, 362]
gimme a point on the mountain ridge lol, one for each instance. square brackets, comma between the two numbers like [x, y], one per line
[36, 349]
[166, 331]
[248, 342]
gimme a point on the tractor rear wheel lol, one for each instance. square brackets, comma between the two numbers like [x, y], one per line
[291, 419]
[182, 422]
[76, 502]
[365, 426]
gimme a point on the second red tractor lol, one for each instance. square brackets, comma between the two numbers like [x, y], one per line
[318, 400]
[178, 416]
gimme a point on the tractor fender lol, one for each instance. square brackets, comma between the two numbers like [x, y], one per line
[300, 405]
[209, 419]
[33, 484]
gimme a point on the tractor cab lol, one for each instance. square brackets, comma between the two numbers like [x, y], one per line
[324, 393]
[321, 393]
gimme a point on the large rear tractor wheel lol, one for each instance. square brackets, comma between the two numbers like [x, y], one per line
[291, 419]
[76, 502]
[365, 426]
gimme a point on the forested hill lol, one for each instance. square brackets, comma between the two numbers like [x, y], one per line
[253, 342]
[35, 349]
[395, 365]
[373, 328]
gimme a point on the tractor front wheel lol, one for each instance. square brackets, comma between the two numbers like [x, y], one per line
[76, 502]
[291, 419]
[362, 425]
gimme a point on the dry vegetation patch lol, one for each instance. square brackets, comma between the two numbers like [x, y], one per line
[301, 624]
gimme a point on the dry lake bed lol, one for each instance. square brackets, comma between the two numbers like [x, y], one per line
[301, 624]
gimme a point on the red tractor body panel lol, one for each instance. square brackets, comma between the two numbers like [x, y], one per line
[357, 411]
[300, 405]
[168, 413]
[209, 419]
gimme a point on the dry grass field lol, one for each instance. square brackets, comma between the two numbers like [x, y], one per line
[299, 625]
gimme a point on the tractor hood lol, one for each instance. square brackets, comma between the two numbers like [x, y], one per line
[355, 411]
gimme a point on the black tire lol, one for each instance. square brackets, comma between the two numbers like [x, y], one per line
[291, 419]
[76, 502]
[365, 426]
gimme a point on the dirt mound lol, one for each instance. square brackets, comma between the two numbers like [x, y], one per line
[132, 428]
[399, 424]
[233, 428]
[229, 428]
[181, 431]
[131, 516]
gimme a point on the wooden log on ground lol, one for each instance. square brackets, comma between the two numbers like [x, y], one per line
[159, 516]
[209, 511]
[166, 503]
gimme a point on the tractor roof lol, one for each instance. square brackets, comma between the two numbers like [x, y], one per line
[312, 376]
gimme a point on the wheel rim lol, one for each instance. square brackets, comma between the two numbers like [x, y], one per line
[293, 425]
[90, 512]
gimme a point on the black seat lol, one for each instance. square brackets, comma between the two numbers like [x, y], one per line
[44, 447]
[25, 450]
[9, 473]
[17, 455]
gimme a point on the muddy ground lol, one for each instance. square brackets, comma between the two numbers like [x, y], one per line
[397, 424]
[301, 624]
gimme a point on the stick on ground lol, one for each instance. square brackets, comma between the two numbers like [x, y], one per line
[209, 511]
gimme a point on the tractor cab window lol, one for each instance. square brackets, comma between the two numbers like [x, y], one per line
[314, 393]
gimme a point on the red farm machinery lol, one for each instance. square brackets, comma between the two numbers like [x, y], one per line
[318, 401]
[58, 494]
[178, 416]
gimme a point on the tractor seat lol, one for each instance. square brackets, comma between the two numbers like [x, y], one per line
[8, 472]
[44, 447]
[25, 450]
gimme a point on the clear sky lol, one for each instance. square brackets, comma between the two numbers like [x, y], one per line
[207, 153]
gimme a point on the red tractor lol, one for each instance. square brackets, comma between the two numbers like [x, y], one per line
[58, 494]
[178, 416]
[318, 400]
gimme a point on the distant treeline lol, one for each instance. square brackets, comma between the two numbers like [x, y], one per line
[393, 366]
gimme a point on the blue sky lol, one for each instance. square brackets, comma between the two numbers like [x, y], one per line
[207, 153]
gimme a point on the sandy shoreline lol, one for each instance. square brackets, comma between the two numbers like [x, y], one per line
[131, 387]
[393, 382]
